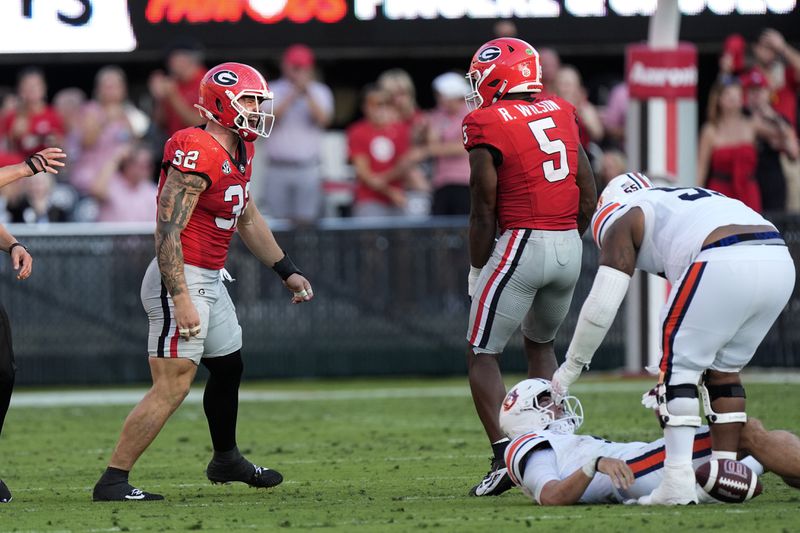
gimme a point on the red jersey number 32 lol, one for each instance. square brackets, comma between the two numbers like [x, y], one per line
[186, 159]
[238, 195]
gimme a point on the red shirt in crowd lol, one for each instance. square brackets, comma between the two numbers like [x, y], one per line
[538, 142]
[42, 130]
[190, 92]
[383, 146]
[784, 98]
[206, 237]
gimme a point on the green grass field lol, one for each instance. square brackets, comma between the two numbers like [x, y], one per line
[369, 456]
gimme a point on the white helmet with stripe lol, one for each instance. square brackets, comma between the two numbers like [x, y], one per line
[613, 199]
[529, 406]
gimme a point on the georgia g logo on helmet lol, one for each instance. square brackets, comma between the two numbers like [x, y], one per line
[489, 54]
[226, 78]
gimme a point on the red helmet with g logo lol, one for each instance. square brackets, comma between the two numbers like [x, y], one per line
[500, 67]
[220, 91]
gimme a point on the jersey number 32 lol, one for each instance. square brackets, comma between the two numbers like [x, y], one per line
[237, 195]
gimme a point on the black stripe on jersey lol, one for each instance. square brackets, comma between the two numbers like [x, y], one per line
[167, 321]
[166, 165]
[487, 329]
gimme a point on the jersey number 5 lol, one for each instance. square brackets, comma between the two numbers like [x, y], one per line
[239, 195]
[550, 146]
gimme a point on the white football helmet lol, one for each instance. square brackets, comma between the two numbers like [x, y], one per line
[613, 198]
[522, 411]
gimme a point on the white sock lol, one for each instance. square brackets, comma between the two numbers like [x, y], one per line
[754, 465]
[679, 440]
[715, 454]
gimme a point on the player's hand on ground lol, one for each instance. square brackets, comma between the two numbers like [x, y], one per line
[48, 160]
[22, 262]
[300, 287]
[187, 318]
[620, 473]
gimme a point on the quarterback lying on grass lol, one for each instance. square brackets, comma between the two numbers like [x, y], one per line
[555, 466]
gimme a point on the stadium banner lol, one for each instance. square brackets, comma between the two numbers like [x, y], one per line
[371, 26]
[657, 73]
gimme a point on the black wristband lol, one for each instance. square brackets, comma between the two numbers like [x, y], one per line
[29, 162]
[286, 267]
[597, 463]
[15, 245]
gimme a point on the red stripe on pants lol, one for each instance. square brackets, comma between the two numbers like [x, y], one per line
[479, 312]
[173, 343]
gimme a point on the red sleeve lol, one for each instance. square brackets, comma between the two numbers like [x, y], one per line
[357, 141]
[188, 152]
[474, 128]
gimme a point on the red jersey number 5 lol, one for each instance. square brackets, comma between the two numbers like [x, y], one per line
[238, 195]
[550, 146]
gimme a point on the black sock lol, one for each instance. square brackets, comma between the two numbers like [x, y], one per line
[499, 448]
[112, 476]
[231, 456]
[221, 399]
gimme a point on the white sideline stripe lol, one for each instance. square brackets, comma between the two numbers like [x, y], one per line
[132, 396]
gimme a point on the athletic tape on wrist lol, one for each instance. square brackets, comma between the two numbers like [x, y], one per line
[286, 267]
[590, 468]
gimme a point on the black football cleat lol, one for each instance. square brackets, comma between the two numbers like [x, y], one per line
[5, 494]
[122, 492]
[243, 471]
[495, 482]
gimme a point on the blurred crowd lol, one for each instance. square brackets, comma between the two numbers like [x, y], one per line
[396, 159]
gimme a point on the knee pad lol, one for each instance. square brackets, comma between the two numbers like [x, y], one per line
[683, 401]
[713, 392]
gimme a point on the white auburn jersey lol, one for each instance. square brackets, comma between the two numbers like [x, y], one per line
[677, 221]
[645, 459]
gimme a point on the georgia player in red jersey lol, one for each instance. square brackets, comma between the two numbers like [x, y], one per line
[529, 176]
[202, 200]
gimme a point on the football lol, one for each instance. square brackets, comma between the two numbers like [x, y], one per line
[728, 481]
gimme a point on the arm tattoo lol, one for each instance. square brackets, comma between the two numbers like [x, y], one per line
[176, 203]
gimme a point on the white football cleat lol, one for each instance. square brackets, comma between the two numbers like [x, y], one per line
[677, 487]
